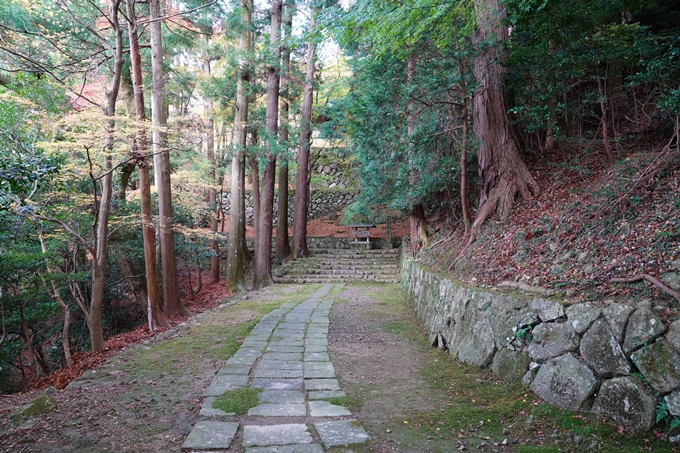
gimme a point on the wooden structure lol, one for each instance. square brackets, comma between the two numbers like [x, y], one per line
[361, 232]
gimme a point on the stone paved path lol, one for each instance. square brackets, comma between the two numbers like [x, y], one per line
[286, 355]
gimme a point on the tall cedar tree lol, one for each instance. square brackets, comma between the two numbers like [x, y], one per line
[300, 249]
[155, 315]
[172, 303]
[263, 254]
[503, 174]
[282, 239]
[235, 278]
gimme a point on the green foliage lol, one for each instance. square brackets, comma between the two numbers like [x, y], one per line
[664, 415]
[238, 401]
[356, 212]
[23, 164]
[557, 56]
[524, 334]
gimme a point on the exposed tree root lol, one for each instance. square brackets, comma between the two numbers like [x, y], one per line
[653, 280]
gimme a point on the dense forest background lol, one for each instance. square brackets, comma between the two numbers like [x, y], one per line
[124, 123]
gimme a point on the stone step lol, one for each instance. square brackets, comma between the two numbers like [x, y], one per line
[347, 266]
[334, 279]
[296, 272]
[356, 253]
[331, 260]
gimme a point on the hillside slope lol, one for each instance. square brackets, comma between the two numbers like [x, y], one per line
[591, 223]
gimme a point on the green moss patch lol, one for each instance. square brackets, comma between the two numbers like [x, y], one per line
[237, 401]
[351, 403]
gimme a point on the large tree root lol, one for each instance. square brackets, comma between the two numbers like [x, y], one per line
[653, 280]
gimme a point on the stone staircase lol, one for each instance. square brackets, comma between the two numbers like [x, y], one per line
[341, 265]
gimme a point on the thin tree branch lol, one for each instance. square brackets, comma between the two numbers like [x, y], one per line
[180, 13]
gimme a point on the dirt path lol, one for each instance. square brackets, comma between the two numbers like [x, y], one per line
[408, 396]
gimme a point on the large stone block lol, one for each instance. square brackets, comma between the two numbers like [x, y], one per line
[564, 382]
[507, 322]
[673, 403]
[551, 339]
[643, 327]
[623, 401]
[617, 317]
[582, 316]
[509, 365]
[673, 336]
[660, 365]
[602, 352]
[548, 310]
[474, 339]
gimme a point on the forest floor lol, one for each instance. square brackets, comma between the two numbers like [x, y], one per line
[409, 397]
[592, 223]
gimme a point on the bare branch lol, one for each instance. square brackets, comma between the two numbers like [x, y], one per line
[180, 13]
[68, 229]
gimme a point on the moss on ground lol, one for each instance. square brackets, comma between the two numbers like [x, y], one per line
[479, 409]
[237, 401]
[351, 403]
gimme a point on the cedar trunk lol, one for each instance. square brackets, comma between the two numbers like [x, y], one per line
[100, 249]
[172, 304]
[235, 279]
[263, 249]
[212, 190]
[300, 249]
[503, 174]
[154, 313]
[282, 240]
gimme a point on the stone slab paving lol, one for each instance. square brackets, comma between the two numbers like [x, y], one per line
[286, 355]
[308, 448]
[323, 394]
[281, 396]
[223, 382]
[286, 434]
[208, 435]
[326, 409]
[341, 432]
[208, 411]
[279, 410]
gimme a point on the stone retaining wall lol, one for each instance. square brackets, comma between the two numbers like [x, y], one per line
[617, 360]
[321, 203]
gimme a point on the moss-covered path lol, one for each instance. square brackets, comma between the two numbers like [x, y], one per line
[284, 366]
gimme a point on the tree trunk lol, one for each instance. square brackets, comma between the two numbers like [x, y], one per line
[235, 279]
[464, 200]
[199, 277]
[417, 220]
[604, 122]
[282, 240]
[125, 173]
[153, 303]
[29, 342]
[172, 303]
[300, 249]
[100, 248]
[263, 251]
[212, 175]
[255, 186]
[503, 173]
[57, 297]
